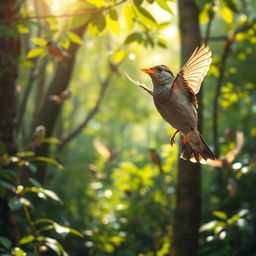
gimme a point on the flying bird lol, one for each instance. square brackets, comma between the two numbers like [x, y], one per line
[175, 100]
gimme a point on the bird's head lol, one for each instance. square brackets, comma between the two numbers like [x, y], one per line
[160, 75]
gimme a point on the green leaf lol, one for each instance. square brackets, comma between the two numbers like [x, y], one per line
[208, 226]
[18, 252]
[133, 37]
[164, 25]
[97, 25]
[22, 29]
[74, 37]
[51, 194]
[164, 5]
[233, 5]
[204, 14]
[75, 232]
[42, 220]
[7, 185]
[25, 201]
[39, 41]
[118, 56]
[226, 14]
[98, 3]
[53, 24]
[79, 21]
[145, 17]
[112, 22]
[14, 203]
[52, 140]
[26, 64]
[220, 215]
[233, 219]
[137, 2]
[25, 154]
[27, 239]
[2, 148]
[54, 245]
[46, 192]
[35, 182]
[129, 16]
[5, 242]
[65, 43]
[36, 52]
[48, 160]
[162, 43]
[61, 229]
[32, 168]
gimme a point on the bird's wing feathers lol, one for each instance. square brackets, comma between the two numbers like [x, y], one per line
[182, 85]
[197, 66]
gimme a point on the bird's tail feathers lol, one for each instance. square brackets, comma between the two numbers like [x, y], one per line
[196, 149]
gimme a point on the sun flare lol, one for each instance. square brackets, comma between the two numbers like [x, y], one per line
[57, 5]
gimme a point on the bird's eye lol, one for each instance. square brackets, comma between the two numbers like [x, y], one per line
[160, 69]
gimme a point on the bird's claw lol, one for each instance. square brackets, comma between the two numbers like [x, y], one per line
[172, 141]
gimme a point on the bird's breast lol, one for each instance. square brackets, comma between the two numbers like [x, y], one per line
[175, 109]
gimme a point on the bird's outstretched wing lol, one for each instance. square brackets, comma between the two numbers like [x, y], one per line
[197, 66]
[143, 86]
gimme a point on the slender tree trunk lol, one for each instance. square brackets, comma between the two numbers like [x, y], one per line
[50, 111]
[9, 53]
[187, 213]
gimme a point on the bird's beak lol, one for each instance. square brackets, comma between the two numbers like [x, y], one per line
[149, 71]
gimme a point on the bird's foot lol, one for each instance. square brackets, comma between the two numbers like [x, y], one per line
[172, 141]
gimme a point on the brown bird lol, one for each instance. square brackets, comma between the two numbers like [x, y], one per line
[175, 100]
[63, 96]
[56, 53]
[38, 137]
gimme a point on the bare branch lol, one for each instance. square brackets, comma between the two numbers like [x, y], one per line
[67, 15]
[104, 84]
[222, 67]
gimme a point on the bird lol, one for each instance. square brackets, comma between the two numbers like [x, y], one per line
[56, 52]
[38, 137]
[175, 99]
[63, 96]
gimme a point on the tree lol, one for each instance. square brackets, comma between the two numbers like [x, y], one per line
[187, 213]
[10, 50]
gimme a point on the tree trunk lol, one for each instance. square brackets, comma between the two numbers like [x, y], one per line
[9, 54]
[50, 111]
[187, 212]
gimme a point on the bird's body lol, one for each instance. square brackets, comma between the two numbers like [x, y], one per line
[175, 100]
[174, 107]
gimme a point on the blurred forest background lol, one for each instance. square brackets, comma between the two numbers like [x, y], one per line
[86, 164]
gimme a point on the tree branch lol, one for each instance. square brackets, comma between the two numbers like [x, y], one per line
[88, 11]
[227, 49]
[90, 115]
